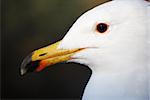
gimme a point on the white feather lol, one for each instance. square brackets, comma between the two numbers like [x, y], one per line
[118, 58]
[148, 27]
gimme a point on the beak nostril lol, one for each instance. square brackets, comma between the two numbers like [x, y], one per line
[42, 54]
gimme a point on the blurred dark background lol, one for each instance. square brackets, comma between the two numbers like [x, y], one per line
[31, 24]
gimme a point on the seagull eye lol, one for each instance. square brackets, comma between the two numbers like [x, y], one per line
[102, 27]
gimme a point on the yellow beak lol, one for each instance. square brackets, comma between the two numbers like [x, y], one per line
[46, 56]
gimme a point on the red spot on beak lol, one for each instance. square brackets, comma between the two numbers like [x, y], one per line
[42, 65]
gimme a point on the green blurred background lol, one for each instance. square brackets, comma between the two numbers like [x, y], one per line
[31, 24]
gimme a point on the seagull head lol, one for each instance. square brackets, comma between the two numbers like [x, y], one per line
[98, 37]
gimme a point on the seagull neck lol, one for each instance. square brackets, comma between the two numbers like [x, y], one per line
[123, 64]
[127, 82]
[119, 76]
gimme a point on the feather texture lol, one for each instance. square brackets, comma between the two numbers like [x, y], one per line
[120, 58]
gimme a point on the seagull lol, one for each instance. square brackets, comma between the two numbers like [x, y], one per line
[113, 40]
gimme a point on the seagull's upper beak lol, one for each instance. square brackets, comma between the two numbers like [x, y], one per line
[39, 59]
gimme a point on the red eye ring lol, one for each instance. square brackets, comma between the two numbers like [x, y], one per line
[102, 27]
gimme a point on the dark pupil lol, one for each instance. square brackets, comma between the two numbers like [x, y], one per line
[102, 27]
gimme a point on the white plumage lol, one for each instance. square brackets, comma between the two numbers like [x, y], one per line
[119, 58]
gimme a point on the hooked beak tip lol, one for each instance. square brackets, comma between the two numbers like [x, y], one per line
[23, 72]
[28, 65]
[24, 64]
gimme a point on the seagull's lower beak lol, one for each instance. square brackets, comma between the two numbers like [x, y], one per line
[46, 56]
